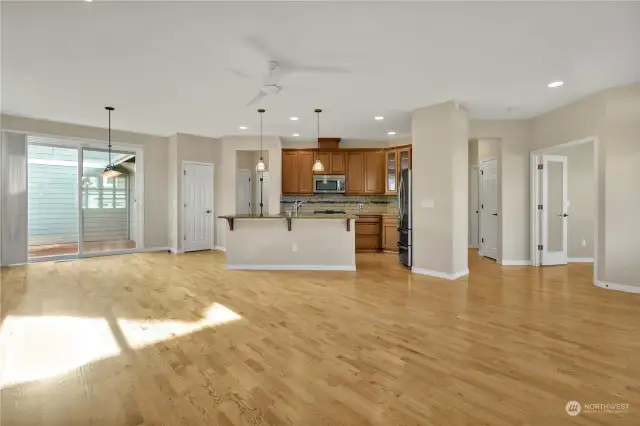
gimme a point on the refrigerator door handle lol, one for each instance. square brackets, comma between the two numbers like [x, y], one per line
[400, 200]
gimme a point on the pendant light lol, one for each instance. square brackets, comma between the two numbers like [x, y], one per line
[110, 171]
[317, 166]
[261, 167]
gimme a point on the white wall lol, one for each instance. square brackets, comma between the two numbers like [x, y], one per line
[14, 199]
[226, 176]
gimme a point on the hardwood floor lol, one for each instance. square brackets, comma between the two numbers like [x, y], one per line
[89, 247]
[161, 339]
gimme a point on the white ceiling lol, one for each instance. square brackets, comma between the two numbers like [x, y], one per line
[165, 66]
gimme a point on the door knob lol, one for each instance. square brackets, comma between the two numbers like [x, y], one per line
[494, 214]
[208, 211]
[565, 215]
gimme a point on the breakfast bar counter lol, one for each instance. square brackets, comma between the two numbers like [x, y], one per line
[304, 242]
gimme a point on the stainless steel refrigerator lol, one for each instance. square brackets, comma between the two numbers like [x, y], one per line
[404, 216]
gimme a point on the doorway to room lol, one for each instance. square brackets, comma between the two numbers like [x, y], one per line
[563, 207]
[72, 209]
[197, 197]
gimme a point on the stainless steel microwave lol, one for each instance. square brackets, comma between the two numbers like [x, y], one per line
[329, 184]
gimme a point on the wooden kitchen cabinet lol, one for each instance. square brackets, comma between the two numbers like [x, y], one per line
[337, 163]
[305, 172]
[404, 158]
[325, 158]
[290, 172]
[374, 172]
[297, 176]
[390, 233]
[368, 233]
[354, 172]
[391, 171]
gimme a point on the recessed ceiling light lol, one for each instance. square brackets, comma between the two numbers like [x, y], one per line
[293, 118]
[391, 133]
[555, 84]
[295, 134]
[88, 1]
[242, 127]
[379, 117]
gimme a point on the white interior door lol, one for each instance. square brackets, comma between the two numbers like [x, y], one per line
[265, 193]
[554, 210]
[243, 192]
[474, 206]
[198, 207]
[489, 208]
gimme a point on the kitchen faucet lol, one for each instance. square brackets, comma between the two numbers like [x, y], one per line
[297, 204]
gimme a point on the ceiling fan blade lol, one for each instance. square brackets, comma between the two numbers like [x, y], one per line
[238, 73]
[319, 69]
[257, 98]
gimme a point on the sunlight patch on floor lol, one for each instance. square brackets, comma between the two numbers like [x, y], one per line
[143, 333]
[41, 347]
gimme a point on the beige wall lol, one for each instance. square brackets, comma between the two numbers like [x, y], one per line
[515, 142]
[184, 147]
[440, 175]
[226, 178]
[155, 148]
[244, 160]
[613, 117]
[581, 199]
[473, 152]
[488, 148]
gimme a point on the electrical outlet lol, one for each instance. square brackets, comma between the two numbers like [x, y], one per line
[295, 247]
[584, 242]
[361, 206]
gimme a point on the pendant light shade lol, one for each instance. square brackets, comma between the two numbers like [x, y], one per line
[318, 166]
[261, 166]
[110, 171]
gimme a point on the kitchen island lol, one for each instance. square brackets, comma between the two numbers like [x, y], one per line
[304, 242]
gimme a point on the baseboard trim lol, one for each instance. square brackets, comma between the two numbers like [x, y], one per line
[618, 287]
[291, 267]
[220, 248]
[438, 274]
[472, 246]
[514, 262]
[580, 260]
[175, 250]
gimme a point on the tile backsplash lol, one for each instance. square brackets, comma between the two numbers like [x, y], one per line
[375, 204]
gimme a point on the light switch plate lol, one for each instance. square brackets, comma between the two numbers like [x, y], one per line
[427, 204]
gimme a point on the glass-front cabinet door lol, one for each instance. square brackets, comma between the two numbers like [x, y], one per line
[391, 166]
[404, 158]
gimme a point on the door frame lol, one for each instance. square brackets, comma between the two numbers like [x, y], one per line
[181, 205]
[535, 198]
[80, 144]
[475, 170]
[498, 207]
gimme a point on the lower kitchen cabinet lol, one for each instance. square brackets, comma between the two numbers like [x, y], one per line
[368, 233]
[390, 233]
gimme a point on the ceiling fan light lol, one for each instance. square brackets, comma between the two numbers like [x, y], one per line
[318, 166]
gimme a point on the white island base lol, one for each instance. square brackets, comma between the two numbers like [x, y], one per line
[312, 244]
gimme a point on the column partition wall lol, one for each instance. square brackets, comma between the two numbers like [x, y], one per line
[73, 211]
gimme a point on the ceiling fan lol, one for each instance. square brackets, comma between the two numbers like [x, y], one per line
[277, 69]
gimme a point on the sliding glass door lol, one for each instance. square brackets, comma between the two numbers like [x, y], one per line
[52, 181]
[108, 204]
[73, 209]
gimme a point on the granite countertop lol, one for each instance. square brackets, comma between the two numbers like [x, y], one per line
[285, 216]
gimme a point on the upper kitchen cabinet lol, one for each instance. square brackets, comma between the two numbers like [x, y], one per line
[391, 171]
[374, 172]
[337, 163]
[333, 163]
[325, 158]
[404, 158]
[305, 172]
[297, 176]
[354, 172]
[396, 160]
